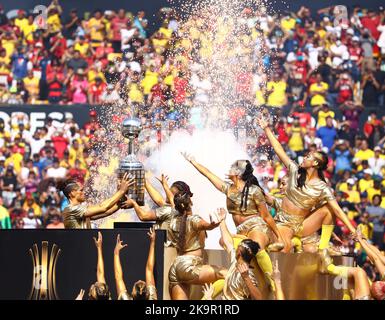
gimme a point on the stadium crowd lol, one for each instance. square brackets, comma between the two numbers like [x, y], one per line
[322, 79]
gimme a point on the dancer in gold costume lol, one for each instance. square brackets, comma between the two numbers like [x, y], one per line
[77, 214]
[165, 211]
[306, 190]
[187, 234]
[246, 203]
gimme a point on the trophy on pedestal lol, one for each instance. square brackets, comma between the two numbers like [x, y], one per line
[131, 128]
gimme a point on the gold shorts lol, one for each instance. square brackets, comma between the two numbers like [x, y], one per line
[185, 269]
[293, 222]
[253, 224]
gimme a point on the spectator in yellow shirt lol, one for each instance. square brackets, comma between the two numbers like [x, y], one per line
[21, 20]
[367, 181]
[31, 84]
[375, 190]
[323, 112]
[276, 92]
[296, 135]
[82, 46]
[30, 203]
[76, 152]
[353, 195]
[53, 21]
[318, 92]
[28, 29]
[364, 153]
[150, 79]
[97, 28]
[288, 23]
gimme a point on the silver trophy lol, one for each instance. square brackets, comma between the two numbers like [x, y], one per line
[131, 128]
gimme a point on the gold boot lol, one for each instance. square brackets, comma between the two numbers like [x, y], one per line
[275, 247]
[325, 261]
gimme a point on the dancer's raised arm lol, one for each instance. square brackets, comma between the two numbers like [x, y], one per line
[336, 209]
[120, 285]
[215, 180]
[263, 123]
[206, 226]
[106, 205]
[228, 242]
[150, 281]
[169, 195]
[154, 194]
[373, 253]
[100, 266]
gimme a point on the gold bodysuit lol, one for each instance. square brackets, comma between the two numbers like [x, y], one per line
[235, 287]
[233, 203]
[163, 218]
[74, 217]
[284, 219]
[310, 195]
[294, 222]
[186, 268]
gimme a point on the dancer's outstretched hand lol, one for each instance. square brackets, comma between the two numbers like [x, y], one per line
[262, 122]
[163, 179]
[99, 241]
[221, 214]
[80, 295]
[127, 181]
[187, 156]
[243, 269]
[208, 291]
[119, 244]
[152, 234]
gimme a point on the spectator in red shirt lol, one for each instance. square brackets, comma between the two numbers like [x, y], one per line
[55, 82]
[60, 143]
[180, 89]
[96, 90]
[93, 125]
[280, 127]
[371, 22]
[103, 51]
[344, 86]
[77, 173]
[58, 45]
[118, 23]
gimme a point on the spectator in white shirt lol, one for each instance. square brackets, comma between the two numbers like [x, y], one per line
[376, 163]
[56, 171]
[31, 222]
[37, 143]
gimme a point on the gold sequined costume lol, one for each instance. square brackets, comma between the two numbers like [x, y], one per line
[310, 195]
[233, 203]
[186, 268]
[74, 217]
[235, 287]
